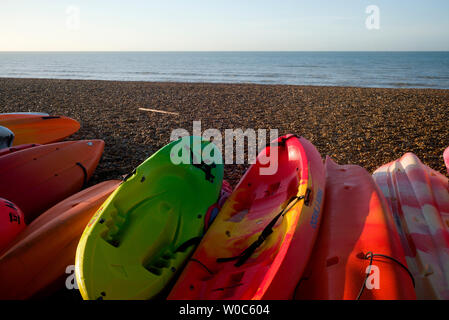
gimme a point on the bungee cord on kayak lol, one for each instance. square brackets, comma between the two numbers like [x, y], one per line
[370, 256]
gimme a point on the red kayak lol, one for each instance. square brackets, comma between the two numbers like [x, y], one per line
[36, 260]
[259, 243]
[17, 148]
[357, 234]
[37, 178]
[11, 222]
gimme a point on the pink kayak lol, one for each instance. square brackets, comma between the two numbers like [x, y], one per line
[419, 200]
[446, 158]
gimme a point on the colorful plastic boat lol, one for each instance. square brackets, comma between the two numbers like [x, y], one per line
[141, 237]
[33, 128]
[446, 159]
[37, 178]
[37, 259]
[213, 210]
[260, 242]
[17, 148]
[419, 200]
[357, 226]
[11, 222]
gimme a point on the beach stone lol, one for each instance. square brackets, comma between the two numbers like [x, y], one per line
[364, 126]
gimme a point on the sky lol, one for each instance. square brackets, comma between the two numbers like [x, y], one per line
[216, 25]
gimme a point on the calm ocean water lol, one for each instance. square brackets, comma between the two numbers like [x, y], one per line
[366, 69]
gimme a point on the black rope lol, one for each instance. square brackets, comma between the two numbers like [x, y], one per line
[369, 255]
[282, 141]
[125, 178]
[229, 287]
[50, 117]
[202, 264]
[206, 168]
[84, 171]
[188, 243]
[247, 253]
[297, 286]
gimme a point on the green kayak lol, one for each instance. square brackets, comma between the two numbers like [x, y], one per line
[140, 238]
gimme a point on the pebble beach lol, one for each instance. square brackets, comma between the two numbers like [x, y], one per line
[363, 126]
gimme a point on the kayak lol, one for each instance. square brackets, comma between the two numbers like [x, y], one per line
[446, 158]
[140, 238]
[419, 200]
[357, 236]
[37, 259]
[37, 178]
[32, 128]
[6, 138]
[213, 210]
[260, 242]
[11, 222]
[17, 148]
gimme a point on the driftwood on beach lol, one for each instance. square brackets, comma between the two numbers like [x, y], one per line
[364, 126]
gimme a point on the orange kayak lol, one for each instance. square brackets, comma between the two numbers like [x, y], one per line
[37, 178]
[357, 226]
[39, 256]
[11, 222]
[39, 129]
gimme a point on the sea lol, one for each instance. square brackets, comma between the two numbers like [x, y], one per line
[355, 69]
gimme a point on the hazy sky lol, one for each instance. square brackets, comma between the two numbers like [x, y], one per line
[190, 25]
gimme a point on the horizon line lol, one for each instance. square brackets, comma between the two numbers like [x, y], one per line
[194, 51]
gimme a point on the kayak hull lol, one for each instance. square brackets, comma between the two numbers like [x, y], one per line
[419, 201]
[446, 158]
[11, 222]
[39, 256]
[39, 129]
[39, 177]
[356, 221]
[273, 269]
[17, 148]
[138, 240]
